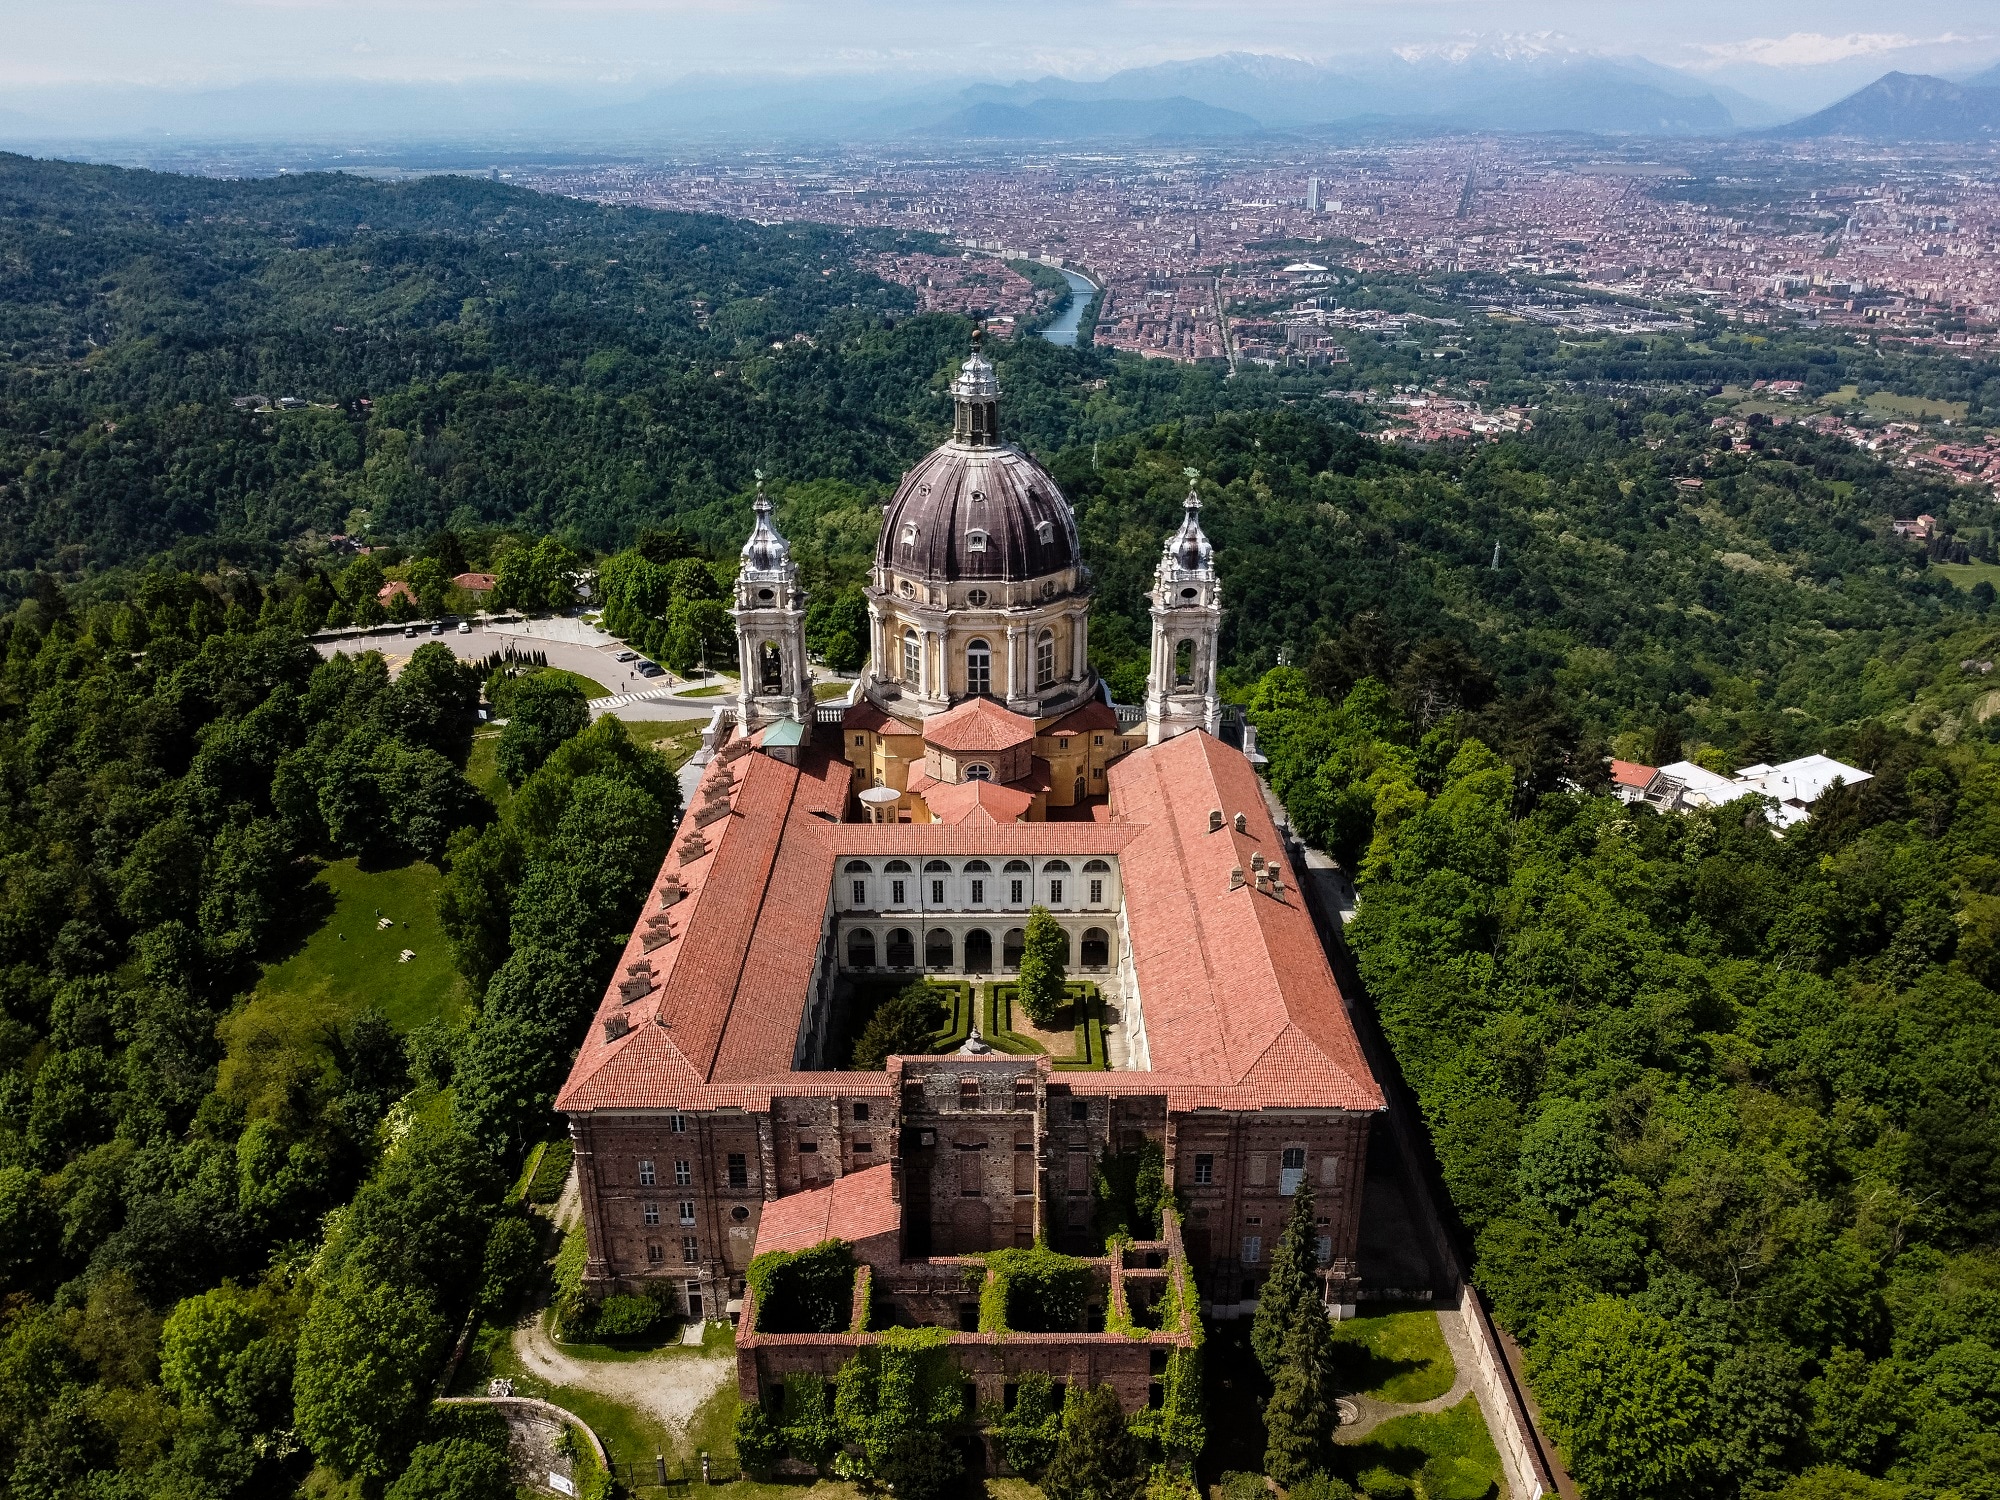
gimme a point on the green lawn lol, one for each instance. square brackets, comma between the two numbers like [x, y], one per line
[1966, 575]
[1394, 1356]
[713, 690]
[1450, 1455]
[349, 962]
[589, 686]
[824, 692]
[676, 739]
[482, 768]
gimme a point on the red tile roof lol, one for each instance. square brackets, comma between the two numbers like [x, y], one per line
[866, 715]
[978, 724]
[1096, 714]
[976, 802]
[854, 1208]
[1631, 773]
[1241, 1009]
[476, 583]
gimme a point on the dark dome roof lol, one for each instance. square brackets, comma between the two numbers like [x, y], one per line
[962, 492]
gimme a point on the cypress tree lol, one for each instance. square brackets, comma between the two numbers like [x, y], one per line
[1292, 1291]
[1095, 1457]
[1301, 1415]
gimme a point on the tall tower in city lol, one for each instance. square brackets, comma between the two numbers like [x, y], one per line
[1181, 689]
[770, 613]
[1312, 195]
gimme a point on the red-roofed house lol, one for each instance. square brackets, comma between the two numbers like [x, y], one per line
[711, 1105]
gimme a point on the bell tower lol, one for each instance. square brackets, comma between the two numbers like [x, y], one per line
[1187, 625]
[770, 614]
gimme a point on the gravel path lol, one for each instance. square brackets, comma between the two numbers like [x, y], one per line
[669, 1389]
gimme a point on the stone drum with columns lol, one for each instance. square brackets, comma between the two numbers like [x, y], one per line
[981, 774]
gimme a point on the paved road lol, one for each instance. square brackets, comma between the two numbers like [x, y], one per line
[635, 697]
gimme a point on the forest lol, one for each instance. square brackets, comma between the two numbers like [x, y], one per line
[1713, 1105]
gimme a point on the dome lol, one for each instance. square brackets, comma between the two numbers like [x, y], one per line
[977, 508]
[988, 513]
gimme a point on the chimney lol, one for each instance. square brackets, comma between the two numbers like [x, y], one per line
[1263, 882]
[1236, 878]
[615, 1026]
[1215, 820]
[1242, 823]
[1257, 862]
[1277, 880]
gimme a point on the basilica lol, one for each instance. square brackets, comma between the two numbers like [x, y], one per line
[834, 852]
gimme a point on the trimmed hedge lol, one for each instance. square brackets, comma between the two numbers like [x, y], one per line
[551, 1172]
[1085, 1000]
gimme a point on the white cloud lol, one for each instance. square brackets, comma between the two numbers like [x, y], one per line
[1811, 49]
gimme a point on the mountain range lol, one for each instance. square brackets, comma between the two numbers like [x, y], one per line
[1511, 85]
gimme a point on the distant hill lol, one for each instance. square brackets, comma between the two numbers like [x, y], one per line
[1906, 107]
[1990, 79]
[1074, 119]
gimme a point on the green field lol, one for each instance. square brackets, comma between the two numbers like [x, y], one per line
[676, 739]
[1395, 1356]
[826, 692]
[1450, 1454]
[1965, 575]
[349, 964]
[713, 690]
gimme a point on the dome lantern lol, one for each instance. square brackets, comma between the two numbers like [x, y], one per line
[975, 397]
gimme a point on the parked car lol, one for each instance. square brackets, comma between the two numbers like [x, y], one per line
[437, 627]
[647, 669]
[465, 627]
[628, 656]
[410, 633]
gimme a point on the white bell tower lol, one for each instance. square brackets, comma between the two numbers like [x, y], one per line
[770, 613]
[1187, 626]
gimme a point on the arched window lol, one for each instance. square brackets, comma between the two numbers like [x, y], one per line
[937, 948]
[897, 867]
[1091, 867]
[902, 949]
[1045, 659]
[770, 668]
[978, 867]
[1096, 948]
[979, 951]
[975, 541]
[1078, 791]
[1184, 664]
[909, 540]
[936, 867]
[1057, 866]
[1017, 866]
[978, 669]
[1045, 532]
[978, 772]
[860, 949]
[859, 867]
[1012, 943]
[913, 658]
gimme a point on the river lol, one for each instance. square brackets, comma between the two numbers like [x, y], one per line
[1063, 330]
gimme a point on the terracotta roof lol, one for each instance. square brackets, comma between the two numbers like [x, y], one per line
[394, 587]
[978, 724]
[1631, 773]
[475, 583]
[1241, 1009]
[976, 802]
[854, 1208]
[1094, 715]
[866, 715]
[1234, 984]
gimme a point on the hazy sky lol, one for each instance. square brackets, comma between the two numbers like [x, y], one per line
[208, 42]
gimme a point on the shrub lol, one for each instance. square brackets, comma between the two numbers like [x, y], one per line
[1238, 1485]
[622, 1317]
[759, 1444]
[804, 1291]
[551, 1172]
[1384, 1484]
[1320, 1485]
[1029, 1432]
[1035, 1291]
[902, 1026]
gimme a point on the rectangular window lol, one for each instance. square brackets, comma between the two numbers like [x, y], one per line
[937, 893]
[1055, 890]
[654, 1255]
[895, 893]
[1079, 1172]
[1204, 1170]
[861, 739]
[860, 893]
[864, 1147]
[652, 1213]
[978, 892]
[968, 1094]
[1015, 897]
[860, 1111]
[970, 1180]
[1096, 891]
[690, 1250]
[1099, 740]
[687, 1210]
[1325, 1248]
[1097, 772]
[739, 1170]
[809, 1147]
[683, 1174]
[1062, 742]
[677, 1124]
[645, 1174]
[1253, 1249]
[1045, 663]
[1291, 1170]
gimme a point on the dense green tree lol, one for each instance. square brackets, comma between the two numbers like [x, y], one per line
[1095, 1458]
[543, 711]
[1301, 1415]
[904, 1025]
[1042, 976]
[455, 1469]
[368, 1354]
[1291, 1293]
